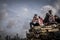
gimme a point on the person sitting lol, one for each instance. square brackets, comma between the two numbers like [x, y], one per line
[34, 21]
[57, 19]
[46, 19]
[40, 20]
[51, 18]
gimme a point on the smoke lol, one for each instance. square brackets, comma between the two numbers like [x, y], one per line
[17, 21]
[3, 18]
[57, 6]
[46, 8]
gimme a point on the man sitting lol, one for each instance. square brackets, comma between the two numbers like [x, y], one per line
[57, 19]
[34, 21]
[49, 18]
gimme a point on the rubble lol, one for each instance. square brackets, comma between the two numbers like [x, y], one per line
[43, 32]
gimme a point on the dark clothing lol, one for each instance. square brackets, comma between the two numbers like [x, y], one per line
[49, 19]
[36, 24]
[46, 19]
[57, 20]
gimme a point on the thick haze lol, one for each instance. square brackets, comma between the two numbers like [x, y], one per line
[15, 15]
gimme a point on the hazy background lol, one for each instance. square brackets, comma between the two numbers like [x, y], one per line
[15, 15]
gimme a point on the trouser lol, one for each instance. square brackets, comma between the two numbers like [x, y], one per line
[32, 24]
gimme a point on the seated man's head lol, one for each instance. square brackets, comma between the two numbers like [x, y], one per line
[50, 11]
[35, 16]
[56, 16]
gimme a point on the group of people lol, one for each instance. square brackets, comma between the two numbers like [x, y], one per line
[49, 19]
